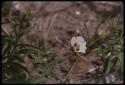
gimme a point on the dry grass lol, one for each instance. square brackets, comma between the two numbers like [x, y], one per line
[52, 26]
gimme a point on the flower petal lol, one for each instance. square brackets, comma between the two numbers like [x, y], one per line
[73, 41]
[80, 41]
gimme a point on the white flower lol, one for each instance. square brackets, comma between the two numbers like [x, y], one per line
[78, 43]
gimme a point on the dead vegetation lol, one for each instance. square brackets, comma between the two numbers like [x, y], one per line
[52, 25]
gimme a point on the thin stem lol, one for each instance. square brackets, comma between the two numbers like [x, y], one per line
[94, 42]
[58, 40]
[86, 30]
[49, 28]
[70, 70]
[83, 58]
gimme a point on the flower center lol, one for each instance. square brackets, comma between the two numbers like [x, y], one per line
[76, 46]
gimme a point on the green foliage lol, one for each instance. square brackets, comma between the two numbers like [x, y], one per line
[112, 44]
[6, 6]
[13, 68]
[108, 65]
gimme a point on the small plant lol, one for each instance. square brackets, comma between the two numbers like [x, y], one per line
[112, 50]
[13, 68]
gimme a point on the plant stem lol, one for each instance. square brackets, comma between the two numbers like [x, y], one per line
[67, 75]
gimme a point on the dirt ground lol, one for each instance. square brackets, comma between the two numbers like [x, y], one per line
[55, 23]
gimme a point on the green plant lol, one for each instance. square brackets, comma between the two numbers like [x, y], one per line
[112, 49]
[13, 68]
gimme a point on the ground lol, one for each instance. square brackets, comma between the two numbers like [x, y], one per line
[52, 26]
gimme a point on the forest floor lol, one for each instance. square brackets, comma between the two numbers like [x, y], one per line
[53, 24]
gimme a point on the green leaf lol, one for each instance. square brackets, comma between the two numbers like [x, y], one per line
[22, 32]
[32, 48]
[97, 50]
[7, 42]
[121, 60]
[108, 66]
[6, 7]
[7, 39]
[101, 50]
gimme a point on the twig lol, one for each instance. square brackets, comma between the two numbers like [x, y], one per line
[118, 20]
[112, 24]
[94, 42]
[66, 46]
[51, 23]
[83, 58]
[38, 13]
[86, 30]
[49, 28]
[96, 29]
[67, 75]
